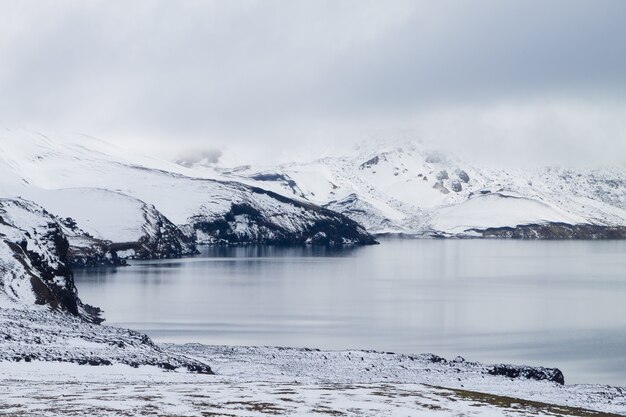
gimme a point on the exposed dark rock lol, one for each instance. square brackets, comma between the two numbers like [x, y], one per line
[555, 231]
[162, 239]
[166, 240]
[246, 224]
[281, 178]
[97, 253]
[85, 250]
[44, 258]
[456, 186]
[369, 163]
[462, 175]
[527, 372]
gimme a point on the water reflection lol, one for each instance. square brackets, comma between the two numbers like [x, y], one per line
[545, 303]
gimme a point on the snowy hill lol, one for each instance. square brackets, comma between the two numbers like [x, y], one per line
[128, 227]
[146, 207]
[150, 208]
[406, 188]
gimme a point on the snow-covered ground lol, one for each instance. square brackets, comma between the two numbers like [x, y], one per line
[256, 381]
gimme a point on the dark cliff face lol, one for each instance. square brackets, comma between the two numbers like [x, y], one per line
[259, 216]
[162, 239]
[42, 253]
[556, 231]
[245, 224]
[97, 253]
[85, 250]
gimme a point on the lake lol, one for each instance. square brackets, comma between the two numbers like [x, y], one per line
[551, 303]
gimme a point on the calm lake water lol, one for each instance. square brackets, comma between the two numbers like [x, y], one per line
[557, 304]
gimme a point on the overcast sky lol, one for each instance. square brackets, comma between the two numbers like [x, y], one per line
[507, 80]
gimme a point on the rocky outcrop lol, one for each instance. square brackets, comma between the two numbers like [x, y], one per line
[536, 373]
[555, 231]
[93, 253]
[456, 186]
[283, 221]
[107, 227]
[28, 335]
[245, 224]
[282, 179]
[463, 176]
[85, 250]
[162, 239]
[370, 162]
[34, 266]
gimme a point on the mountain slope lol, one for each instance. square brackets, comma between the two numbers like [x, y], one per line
[404, 187]
[207, 209]
[128, 227]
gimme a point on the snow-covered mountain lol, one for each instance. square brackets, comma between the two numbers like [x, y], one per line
[142, 207]
[145, 207]
[404, 187]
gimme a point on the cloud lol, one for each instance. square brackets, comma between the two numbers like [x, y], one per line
[268, 74]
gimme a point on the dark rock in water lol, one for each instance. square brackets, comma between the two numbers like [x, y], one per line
[555, 231]
[456, 186]
[527, 372]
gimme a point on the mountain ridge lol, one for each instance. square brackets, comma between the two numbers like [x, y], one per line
[405, 187]
[142, 207]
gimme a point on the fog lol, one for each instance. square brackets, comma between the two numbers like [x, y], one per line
[516, 82]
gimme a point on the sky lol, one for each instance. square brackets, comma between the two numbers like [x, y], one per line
[511, 81]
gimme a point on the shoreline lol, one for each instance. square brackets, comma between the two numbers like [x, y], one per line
[46, 355]
[253, 380]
